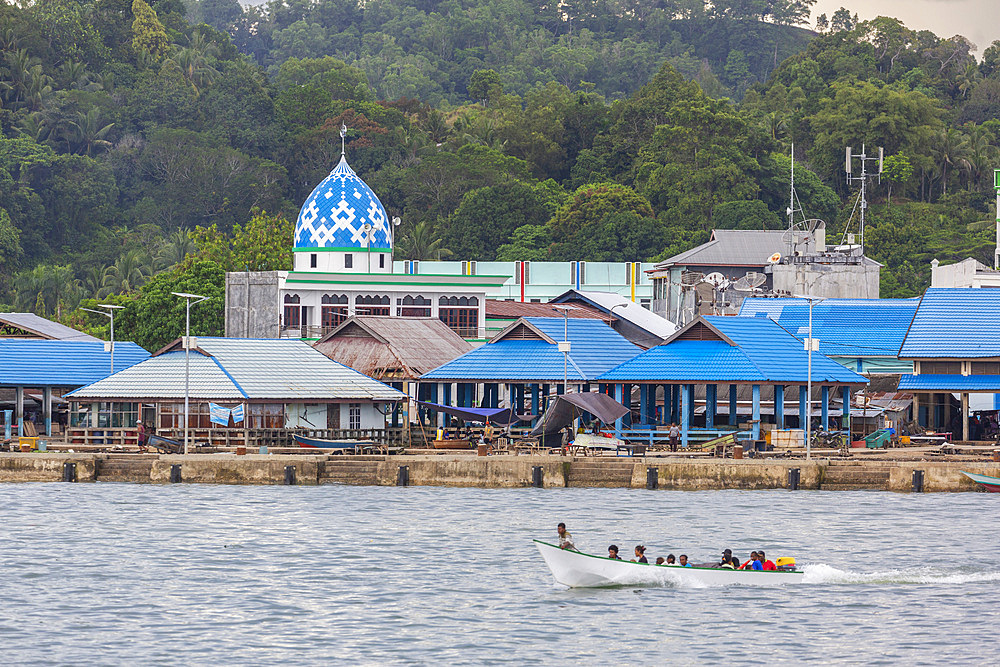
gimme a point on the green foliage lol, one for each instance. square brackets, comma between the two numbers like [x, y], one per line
[752, 214]
[10, 250]
[263, 244]
[485, 86]
[148, 34]
[155, 316]
[600, 211]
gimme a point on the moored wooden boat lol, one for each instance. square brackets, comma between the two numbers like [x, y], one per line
[452, 444]
[991, 484]
[579, 570]
[319, 443]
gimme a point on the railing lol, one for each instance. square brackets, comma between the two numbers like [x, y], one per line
[234, 437]
[310, 331]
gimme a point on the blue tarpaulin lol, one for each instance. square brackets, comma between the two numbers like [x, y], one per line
[498, 416]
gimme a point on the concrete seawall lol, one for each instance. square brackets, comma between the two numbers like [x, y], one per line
[492, 472]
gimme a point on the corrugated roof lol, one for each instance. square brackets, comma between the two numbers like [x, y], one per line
[624, 308]
[761, 351]
[256, 369]
[595, 348]
[954, 323]
[393, 347]
[732, 247]
[61, 363]
[44, 328]
[927, 382]
[512, 310]
[844, 327]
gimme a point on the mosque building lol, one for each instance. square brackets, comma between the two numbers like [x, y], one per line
[343, 267]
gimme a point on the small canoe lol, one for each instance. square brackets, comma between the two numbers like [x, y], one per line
[579, 570]
[319, 443]
[991, 484]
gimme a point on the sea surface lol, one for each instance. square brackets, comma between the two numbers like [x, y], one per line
[197, 575]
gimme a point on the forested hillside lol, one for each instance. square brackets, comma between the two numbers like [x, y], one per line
[150, 147]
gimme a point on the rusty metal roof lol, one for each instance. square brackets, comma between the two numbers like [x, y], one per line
[392, 348]
[516, 309]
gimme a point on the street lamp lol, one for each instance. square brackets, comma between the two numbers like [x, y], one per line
[110, 313]
[810, 345]
[564, 346]
[187, 354]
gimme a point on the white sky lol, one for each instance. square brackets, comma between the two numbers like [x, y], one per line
[978, 20]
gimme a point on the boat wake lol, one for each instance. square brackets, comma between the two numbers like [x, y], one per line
[826, 574]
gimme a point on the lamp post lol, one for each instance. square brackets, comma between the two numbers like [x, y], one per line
[811, 344]
[110, 313]
[187, 354]
[564, 346]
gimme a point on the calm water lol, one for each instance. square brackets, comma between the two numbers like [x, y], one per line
[188, 574]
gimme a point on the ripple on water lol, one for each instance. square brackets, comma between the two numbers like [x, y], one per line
[98, 574]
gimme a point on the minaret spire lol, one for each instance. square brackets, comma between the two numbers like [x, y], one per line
[343, 140]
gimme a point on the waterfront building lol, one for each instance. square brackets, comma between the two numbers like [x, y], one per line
[343, 267]
[734, 352]
[861, 334]
[525, 365]
[500, 314]
[280, 384]
[715, 277]
[634, 322]
[954, 345]
[541, 282]
[37, 372]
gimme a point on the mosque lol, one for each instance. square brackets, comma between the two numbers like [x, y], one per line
[343, 267]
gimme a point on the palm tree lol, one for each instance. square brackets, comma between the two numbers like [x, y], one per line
[420, 243]
[177, 246]
[93, 282]
[949, 152]
[436, 127]
[193, 61]
[46, 289]
[128, 273]
[89, 131]
[979, 152]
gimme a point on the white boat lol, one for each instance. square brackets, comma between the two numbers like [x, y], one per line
[579, 570]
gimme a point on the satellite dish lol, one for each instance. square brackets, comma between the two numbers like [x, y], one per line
[692, 277]
[751, 281]
[717, 280]
[774, 259]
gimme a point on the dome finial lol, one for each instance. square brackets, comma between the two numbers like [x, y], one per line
[343, 139]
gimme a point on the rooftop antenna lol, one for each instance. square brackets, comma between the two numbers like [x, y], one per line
[802, 231]
[863, 194]
[343, 139]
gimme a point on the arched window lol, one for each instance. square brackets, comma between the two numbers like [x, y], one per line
[371, 304]
[414, 306]
[461, 314]
[292, 316]
[334, 311]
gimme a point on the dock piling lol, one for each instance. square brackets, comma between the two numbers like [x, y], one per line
[536, 477]
[175, 473]
[69, 472]
[289, 475]
[794, 475]
[652, 478]
[403, 476]
[918, 481]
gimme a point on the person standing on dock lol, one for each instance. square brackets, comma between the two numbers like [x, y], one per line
[565, 539]
[140, 432]
[674, 433]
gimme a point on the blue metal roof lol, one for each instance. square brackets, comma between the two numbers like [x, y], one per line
[595, 348]
[844, 327]
[955, 323]
[62, 363]
[763, 352]
[927, 382]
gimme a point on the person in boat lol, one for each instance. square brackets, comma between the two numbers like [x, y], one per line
[640, 554]
[765, 564]
[671, 560]
[565, 539]
[728, 562]
[613, 552]
[752, 564]
[674, 433]
[683, 562]
[659, 560]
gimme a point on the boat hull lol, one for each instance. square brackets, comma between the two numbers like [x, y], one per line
[580, 570]
[991, 484]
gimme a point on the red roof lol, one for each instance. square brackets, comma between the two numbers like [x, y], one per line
[514, 309]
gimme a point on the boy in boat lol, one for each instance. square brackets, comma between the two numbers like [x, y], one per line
[613, 552]
[753, 563]
[565, 539]
[683, 562]
[659, 560]
[765, 564]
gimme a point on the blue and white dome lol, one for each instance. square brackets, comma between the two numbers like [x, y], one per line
[335, 214]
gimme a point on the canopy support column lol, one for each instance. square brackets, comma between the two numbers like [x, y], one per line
[643, 403]
[824, 403]
[803, 406]
[756, 412]
[47, 409]
[675, 403]
[19, 409]
[534, 402]
[690, 404]
[915, 409]
[779, 405]
[619, 390]
[845, 420]
[685, 414]
[711, 404]
[965, 417]
[733, 405]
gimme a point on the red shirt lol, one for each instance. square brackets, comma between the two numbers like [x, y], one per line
[768, 565]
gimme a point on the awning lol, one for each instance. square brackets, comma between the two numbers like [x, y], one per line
[568, 407]
[498, 416]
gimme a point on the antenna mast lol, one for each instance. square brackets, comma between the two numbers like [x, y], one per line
[863, 178]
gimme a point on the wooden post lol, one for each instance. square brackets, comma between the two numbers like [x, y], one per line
[711, 404]
[47, 409]
[685, 414]
[779, 405]
[965, 417]
[825, 407]
[803, 406]
[733, 405]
